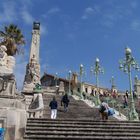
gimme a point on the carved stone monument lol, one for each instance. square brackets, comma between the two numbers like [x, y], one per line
[31, 87]
[12, 105]
[32, 76]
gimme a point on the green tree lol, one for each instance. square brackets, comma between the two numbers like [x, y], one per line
[13, 39]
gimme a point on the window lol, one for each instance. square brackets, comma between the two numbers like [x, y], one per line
[86, 90]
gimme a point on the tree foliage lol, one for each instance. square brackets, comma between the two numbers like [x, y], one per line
[13, 39]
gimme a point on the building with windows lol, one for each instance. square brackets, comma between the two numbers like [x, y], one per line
[51, 81]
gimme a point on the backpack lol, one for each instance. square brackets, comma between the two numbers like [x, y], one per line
[102, 109]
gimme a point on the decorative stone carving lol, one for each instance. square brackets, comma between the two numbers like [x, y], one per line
[32, 77]
[7, 78]
[7, 85]
[36, 107]
[7, 63]
[35, 70]
[3, 55]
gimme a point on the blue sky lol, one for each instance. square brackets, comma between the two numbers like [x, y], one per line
[75, 32]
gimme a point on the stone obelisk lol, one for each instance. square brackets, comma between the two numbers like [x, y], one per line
[32, 76]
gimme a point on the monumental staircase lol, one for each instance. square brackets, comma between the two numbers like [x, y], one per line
[79, 122]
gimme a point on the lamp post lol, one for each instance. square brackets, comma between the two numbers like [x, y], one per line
[112, 82]
[126, 65]
[81, 80]
[69, 82]
[97, 70]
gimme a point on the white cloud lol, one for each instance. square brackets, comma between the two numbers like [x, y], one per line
[53, 11]
[135, 25]
[27, 17]
[134, 4]
[8, 13]
[89, 11]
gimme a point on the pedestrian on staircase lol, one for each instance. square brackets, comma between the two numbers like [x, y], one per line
[65, 102]
[103, 109]
[53, 106]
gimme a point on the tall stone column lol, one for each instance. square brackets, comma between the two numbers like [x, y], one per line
[32, 76]
[35, 43]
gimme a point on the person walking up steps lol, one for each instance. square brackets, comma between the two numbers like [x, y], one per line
[65, 102]
[53, 106]
[104, 110]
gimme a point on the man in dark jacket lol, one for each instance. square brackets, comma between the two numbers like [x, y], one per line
[53, 106]
[65, 102]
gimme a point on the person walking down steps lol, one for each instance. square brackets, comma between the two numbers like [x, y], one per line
[53, 106]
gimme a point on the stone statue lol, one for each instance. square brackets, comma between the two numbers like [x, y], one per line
[7, 63]
[36, 107]
[7, 78]
[3, 55]
[32, 77]
[34, 70]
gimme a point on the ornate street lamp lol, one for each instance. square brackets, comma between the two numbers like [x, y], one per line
[126, 65]
[81, 80]
[69, 82]
[112, 82]
[97, 70]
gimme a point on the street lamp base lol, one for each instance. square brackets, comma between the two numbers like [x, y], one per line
[133, 115]
[69, 93]
[98, 102]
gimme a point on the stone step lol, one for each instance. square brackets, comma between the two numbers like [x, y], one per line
[96, 129]
[79, 133]
[81, 121]
[71, 137]
[83, 126]
[76, 123]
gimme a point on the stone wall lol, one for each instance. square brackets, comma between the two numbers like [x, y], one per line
[14, 115]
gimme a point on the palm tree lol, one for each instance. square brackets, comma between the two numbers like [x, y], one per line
[13, 39]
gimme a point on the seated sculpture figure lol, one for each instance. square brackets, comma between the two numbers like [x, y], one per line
[34, 70]
[7, 78]
[3, 55]
[7, 63]
[32, 75]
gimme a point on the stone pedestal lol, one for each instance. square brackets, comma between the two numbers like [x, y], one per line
[34, 105]
[14, 115]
